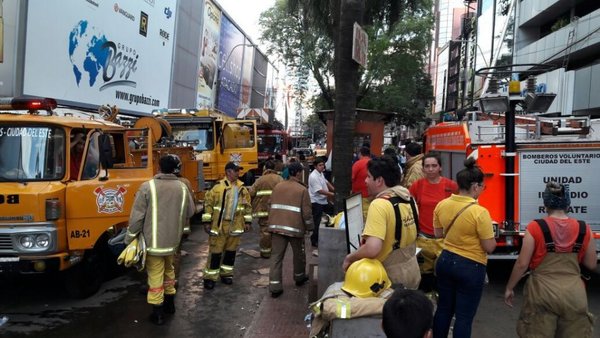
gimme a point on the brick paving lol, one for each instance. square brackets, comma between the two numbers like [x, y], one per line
[283, 317]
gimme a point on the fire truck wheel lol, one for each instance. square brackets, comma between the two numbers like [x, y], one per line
[85, 279]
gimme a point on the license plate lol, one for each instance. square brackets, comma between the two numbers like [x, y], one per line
[8, 259]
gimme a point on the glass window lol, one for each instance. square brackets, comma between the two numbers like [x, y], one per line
[31, 153]
[92, 159]
[201, 137]
[238, 135]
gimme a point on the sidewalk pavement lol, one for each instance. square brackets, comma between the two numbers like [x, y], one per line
[284, 316]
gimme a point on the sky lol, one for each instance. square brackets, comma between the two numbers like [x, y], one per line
[246, 13]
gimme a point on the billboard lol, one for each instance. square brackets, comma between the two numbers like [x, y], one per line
[100, 52]
[246, 90]
[231, 54]
[259, 80]
[209, 53]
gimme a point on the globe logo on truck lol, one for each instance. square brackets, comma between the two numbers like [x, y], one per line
[93, 54]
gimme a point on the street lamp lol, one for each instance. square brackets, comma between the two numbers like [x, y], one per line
[219, 69]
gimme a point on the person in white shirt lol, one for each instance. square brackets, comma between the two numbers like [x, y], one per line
[319, 190]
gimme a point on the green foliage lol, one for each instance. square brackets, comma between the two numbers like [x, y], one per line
[313, 123]
[302, 32]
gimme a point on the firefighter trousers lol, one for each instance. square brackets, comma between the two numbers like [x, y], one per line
[161, 278]
[280, 243]
[431, 249]
[265, 238]
[221, 255]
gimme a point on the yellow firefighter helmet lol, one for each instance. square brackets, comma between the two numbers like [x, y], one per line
[366, 278]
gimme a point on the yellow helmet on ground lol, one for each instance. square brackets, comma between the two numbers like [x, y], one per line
[366, 278]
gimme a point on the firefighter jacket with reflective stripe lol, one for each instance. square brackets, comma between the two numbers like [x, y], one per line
[161, 208]
[290, 211]
[227, 202]
[260, 192]
[336, 303]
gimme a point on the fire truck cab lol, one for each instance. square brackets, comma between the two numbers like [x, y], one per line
[562, 149]
[58, 206]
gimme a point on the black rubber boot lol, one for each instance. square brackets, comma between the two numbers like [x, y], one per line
[158, 316]
[169, 304]
[209, 284]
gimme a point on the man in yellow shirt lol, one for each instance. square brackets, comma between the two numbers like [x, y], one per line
[392, 208]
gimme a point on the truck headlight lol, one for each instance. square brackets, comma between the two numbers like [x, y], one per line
[34, 242]
[26, 241]
[42, 240]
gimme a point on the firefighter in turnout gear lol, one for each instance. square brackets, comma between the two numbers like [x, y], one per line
[260, 192]
[161, 208]
[290, 217]
[227, 215]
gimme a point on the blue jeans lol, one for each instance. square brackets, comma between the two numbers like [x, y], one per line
[460, 285]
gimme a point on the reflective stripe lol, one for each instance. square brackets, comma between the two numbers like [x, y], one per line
[316, 308]
[285, 207]
[206, 218]
[264, 192]
[227, 268]
[342, 308]
[156, 289]
[310, 222]
[214, 232]
[260, 214]
[183, 206]
[236, 232]
[247, 218]
[154, 214]
[274, 282]
[161, 251]
[265, 250]
[284, 227]
[240, 208]
[209, 272]
[217, 208]
[299, 274]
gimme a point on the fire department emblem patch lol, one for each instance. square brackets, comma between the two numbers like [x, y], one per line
[110, 201]
[235, 158]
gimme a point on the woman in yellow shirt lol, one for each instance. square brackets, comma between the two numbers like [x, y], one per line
[468, 238]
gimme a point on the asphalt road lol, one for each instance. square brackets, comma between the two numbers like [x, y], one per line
[36, 306]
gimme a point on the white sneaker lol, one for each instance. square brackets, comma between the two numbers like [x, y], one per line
[315, 252]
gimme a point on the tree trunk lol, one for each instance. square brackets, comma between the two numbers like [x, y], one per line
[346, 86]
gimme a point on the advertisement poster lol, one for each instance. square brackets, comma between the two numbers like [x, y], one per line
[247, 91]
[259, 79]
[231, 53]
[209, 52]
[270, 88]
[99, 52]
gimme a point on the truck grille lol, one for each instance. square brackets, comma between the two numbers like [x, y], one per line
[5, 242]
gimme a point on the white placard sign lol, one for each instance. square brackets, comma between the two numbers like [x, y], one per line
[353, 216]
[577, 168]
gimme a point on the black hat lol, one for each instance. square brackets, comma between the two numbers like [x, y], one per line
[232, 165]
